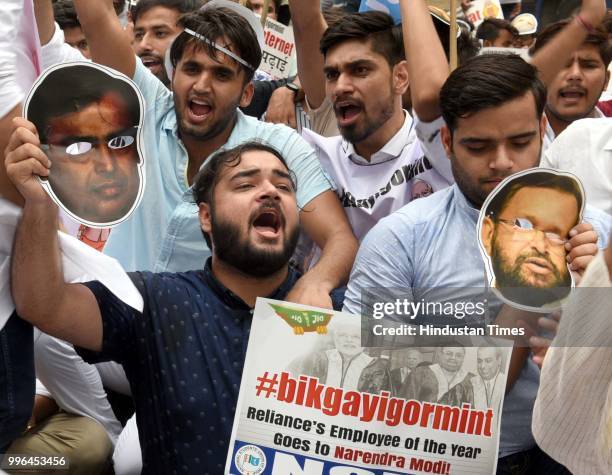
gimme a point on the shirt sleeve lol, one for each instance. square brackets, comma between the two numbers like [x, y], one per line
[57, 51]
[383, 270]
[118, 327]
[303, 162]
[430, 137]
[10, 92]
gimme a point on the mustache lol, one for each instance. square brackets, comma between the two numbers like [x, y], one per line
[268, 204]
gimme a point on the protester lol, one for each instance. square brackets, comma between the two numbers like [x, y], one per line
[527, 26]
[66, 18]
[573, 411]
[202, 111]
[358, 78]
[257, 7]
[497, 33]
[494, 129]
[574, 92]
[19, 67]
[585, 149]
[247, 210]
[155, 27]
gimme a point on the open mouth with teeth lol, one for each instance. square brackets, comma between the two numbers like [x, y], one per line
[267, 223]
[346, 113]
[151, 62]
[199, 109]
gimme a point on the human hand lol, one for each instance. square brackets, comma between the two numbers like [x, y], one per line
[281, 107]
[25, 161]
[581, 248]
[306, 292]
[593, 11]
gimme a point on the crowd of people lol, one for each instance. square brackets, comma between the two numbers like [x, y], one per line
[365, 168]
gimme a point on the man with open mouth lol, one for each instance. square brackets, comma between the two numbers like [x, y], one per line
[574, 92]
[155, 27]
[186, 349]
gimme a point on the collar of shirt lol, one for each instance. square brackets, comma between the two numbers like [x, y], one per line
[465, 206]
[594, 114]
[391, 150]
[232, 300]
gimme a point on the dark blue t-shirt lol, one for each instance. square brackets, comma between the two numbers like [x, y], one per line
[183, 356]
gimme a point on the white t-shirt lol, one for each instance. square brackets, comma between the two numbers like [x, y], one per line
[411, 165]
[585, 149]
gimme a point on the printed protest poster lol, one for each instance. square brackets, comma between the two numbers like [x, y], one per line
[279, 49]
[313, 401]
[481, 9]
[89, 119]
[523, 227]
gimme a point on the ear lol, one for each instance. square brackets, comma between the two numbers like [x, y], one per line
[205, 217]
[401, 80]
[447, 140]
[486, 234]
[247, 94]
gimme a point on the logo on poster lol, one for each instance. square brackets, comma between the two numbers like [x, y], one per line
[250, 460]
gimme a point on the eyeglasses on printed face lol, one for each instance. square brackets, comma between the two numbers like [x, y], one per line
[526, 231]
[79, 148]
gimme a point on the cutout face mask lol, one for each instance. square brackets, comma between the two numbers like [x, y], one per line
[89, 119]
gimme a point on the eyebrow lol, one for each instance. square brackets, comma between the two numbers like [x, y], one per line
[351, 65]
[69, 139]
[523, 135]
[257, 171]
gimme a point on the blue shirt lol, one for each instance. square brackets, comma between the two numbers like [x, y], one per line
[183, 356]
[431, 243]
[163, 233]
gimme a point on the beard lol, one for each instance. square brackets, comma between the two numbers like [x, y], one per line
[243, 255]
[355, 133]
[515, 287]
[226, 118]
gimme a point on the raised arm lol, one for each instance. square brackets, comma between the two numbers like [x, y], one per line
[45, 20]
[308, 28]
[552, 57]
[67, 311]
[427, 66]
[108, 42]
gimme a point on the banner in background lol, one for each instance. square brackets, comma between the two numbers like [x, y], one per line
[481, 9]
[279, 49]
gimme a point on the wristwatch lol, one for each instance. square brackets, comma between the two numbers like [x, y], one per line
[293, 87]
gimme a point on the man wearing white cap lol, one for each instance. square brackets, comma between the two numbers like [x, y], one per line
[527, 26]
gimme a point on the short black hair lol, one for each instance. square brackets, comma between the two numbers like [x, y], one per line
[489, 29]
[215, 23]
[599, 38]
[209, 175]
[71, 88]
[377, 27]
[181, 6]
[543, 179]
[487, 81]
[65, 14]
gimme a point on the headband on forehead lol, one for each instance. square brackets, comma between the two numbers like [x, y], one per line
[218, 47]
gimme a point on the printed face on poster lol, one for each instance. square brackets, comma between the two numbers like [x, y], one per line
[89, 119]
[314, 401]
[522, 230]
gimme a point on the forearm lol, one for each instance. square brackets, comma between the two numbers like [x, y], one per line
[334, 266]
[7, 189]
[427, 66]
[45, 20]
[44, 407]
[108, 42]
[36, 274]
[552, 57]
[308, 28]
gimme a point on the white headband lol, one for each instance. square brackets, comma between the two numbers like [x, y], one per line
[218, 47]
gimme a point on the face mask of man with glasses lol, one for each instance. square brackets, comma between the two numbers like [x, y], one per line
[94, 158]
[524, 235]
